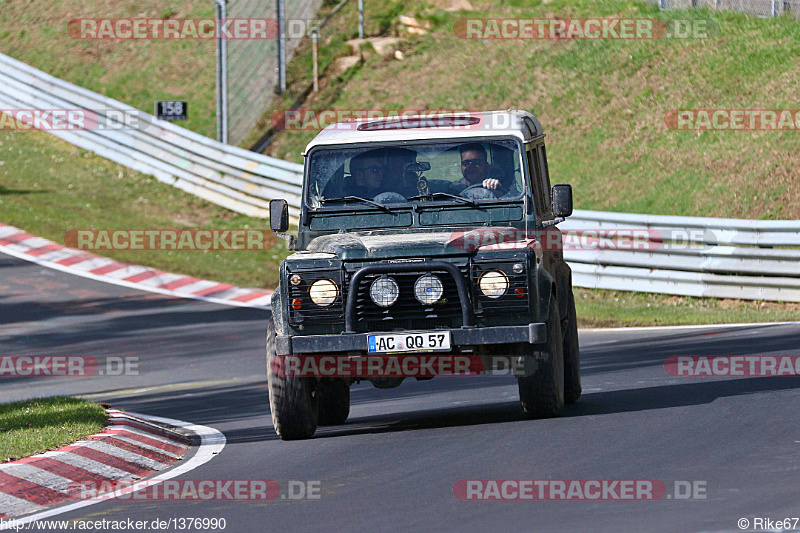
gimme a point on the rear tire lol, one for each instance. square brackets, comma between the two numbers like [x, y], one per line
[572, 358]
[542, 393]
[334, 402]
[291, 399]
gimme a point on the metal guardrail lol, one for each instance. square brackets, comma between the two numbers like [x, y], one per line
[692, 256]
[710, 257]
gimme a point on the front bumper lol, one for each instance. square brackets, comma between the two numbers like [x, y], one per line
[535, 333]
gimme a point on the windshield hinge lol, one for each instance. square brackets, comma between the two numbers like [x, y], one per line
[290, 239]
[555, 221]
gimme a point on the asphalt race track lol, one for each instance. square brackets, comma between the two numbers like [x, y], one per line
[394, 464]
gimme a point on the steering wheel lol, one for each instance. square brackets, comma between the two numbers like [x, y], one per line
[478, 192]
[390, 197]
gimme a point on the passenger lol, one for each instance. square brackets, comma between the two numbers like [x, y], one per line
[366, 178]
[367, 171]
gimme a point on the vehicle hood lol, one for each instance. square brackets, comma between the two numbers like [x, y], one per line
[369, 245]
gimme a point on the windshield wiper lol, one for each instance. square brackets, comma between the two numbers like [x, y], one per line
[345, 199]
[443, 195]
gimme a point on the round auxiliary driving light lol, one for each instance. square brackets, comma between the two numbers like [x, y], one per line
[323, 292]
[384, 291]
[493, 283]
[428, 289]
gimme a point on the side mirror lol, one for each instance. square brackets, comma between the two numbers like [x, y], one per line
[279, 216]
[562, 200]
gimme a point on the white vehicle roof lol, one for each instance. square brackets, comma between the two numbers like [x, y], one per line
[514, 123]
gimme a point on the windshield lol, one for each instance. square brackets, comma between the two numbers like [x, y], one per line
[443, 172]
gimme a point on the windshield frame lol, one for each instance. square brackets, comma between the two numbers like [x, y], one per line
[417, 204]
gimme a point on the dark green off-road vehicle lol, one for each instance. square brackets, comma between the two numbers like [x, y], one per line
[422, 235]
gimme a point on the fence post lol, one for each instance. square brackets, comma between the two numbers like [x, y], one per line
[281, 46]
[222, 74]
[315, 55]
[360, 19]
[774, 8]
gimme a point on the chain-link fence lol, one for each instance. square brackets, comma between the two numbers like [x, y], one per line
[253, 63]
[761, 8]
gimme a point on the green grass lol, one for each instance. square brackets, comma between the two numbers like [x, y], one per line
[49, 187]
[602, 308]
[35, 426]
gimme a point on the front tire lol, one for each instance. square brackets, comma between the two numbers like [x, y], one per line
[291, 399]
[542, 393]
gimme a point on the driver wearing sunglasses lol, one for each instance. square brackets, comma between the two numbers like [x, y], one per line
[474, 169]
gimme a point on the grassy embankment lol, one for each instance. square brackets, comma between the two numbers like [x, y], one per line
[35, 426]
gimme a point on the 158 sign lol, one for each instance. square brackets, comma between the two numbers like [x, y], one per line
[172, 110]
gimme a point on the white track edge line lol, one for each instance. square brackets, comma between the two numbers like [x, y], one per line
[212, 442]
[123, 283]
[689, 326]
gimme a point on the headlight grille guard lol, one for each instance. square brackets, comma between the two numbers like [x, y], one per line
[467, 315]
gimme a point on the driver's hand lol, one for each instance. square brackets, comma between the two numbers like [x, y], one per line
[491, 184]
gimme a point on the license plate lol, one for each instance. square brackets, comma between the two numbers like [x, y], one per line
[409, 342]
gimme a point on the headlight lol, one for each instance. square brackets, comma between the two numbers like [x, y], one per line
[428, 289]
[493, 283]
[323, 292]
[384, 291]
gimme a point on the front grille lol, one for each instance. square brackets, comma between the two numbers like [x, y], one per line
[407, 313]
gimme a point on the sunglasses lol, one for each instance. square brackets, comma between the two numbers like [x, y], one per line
[472, 162]
[374, 170]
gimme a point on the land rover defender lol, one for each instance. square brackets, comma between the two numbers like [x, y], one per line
[423, 235]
